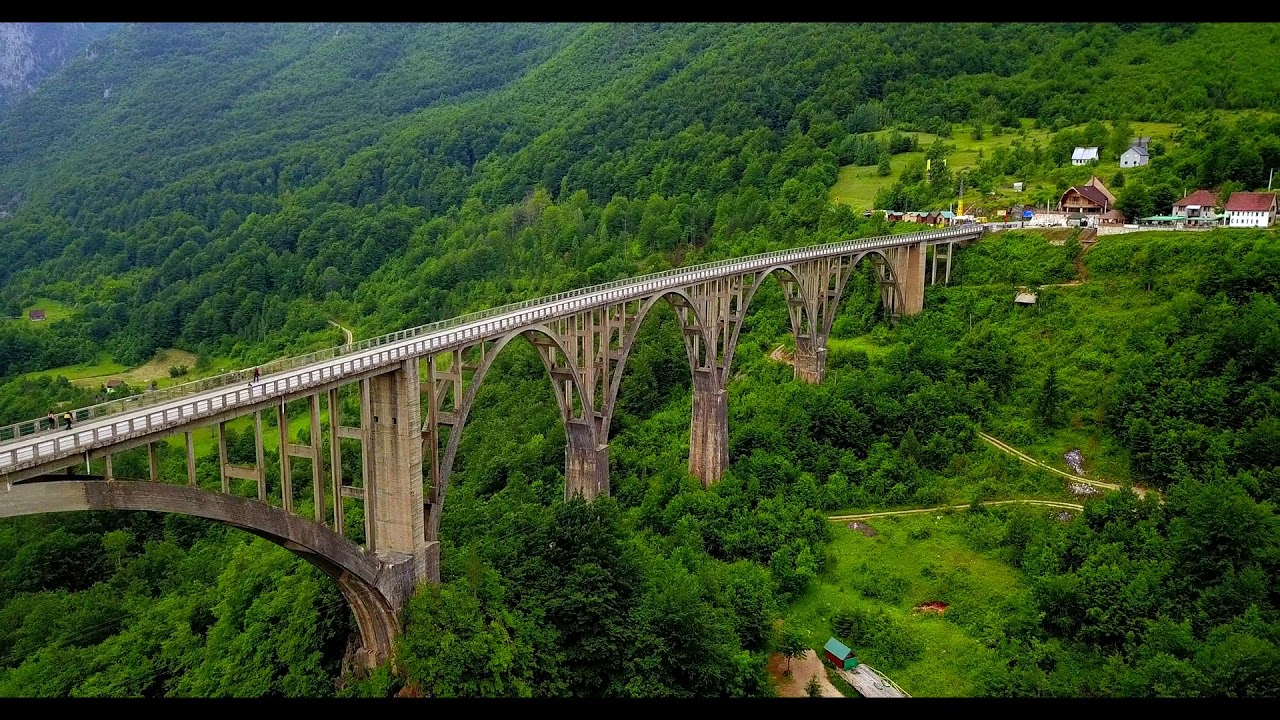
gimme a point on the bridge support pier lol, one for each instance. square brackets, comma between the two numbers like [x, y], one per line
[586, 471]
[398, 517]
[909, 270]
[811, 361]
[709, 428]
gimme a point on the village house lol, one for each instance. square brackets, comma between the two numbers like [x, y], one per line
[1089, 200]
[1200, 203]
[1083, 155]
[1247, 209]
[36, 315]
[1135, 156]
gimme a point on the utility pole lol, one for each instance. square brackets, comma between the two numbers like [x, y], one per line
[1270, 178]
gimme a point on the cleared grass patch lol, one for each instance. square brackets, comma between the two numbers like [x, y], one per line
[864, 343]
[914, 560]
[53, 312]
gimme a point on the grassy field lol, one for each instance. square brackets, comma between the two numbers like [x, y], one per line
[857, 185]
[863, 342]
[53, 312]
[914, 560]
[104, 369]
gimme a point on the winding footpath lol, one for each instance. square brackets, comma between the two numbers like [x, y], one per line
[966, 506]
[350, 337]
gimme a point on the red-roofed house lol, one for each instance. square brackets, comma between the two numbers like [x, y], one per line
[1200, 203]
[1251, 209]
[1092, 198]
[36, 315]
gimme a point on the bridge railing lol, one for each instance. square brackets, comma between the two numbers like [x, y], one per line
[675, 276]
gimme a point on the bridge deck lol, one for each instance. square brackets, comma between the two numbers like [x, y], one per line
[120, 421]
[870, 683]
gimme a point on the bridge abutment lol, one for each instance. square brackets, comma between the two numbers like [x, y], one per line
[709, 428]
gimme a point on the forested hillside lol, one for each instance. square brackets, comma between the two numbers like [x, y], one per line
[243, 185]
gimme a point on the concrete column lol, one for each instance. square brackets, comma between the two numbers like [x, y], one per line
[222, 457]
[191, 460]
[286, 465]
[335, 460]
[586, 464]
[709, 428]
[910, 272]
[260, 455]
[399, 523]
[811, 362]
[317, 482]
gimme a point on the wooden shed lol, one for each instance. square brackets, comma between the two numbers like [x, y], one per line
[36, 315]
[839, 655]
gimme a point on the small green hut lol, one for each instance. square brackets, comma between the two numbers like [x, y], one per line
[840, 655]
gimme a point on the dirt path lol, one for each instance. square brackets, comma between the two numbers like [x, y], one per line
[802, 668]
[921, 511]
[1087, 242]
[344, 331]
[1010, 450]
[780, 354]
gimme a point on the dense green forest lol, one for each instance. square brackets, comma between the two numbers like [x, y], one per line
[241, 186]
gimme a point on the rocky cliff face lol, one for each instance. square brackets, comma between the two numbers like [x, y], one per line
[31, 51]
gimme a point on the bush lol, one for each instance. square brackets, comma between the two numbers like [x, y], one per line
[877, 583]
[857, 627]
[847, 358]
[897, 643]
[177, 371]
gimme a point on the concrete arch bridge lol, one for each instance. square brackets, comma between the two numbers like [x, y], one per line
[416, 388]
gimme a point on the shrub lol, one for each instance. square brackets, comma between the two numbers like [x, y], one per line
[877, 583]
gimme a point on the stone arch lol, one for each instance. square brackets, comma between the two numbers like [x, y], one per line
[776, 271]
[898, 294]
[615, 382]
[468, 400]
[375, 586]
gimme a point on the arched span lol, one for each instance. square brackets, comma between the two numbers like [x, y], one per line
[899, 297]
[374, 587]
[777, 271]
[468, 399]
[615, 382]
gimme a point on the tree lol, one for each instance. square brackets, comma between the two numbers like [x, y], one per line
[1133, 201]
[1048, 399]
[812, 688]
[883, 169]
[791, 644]
[1228, 188]
[1117, 180]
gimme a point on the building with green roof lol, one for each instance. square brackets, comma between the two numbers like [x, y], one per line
[840, 655]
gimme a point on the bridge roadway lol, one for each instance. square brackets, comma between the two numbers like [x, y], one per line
[30, 452]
